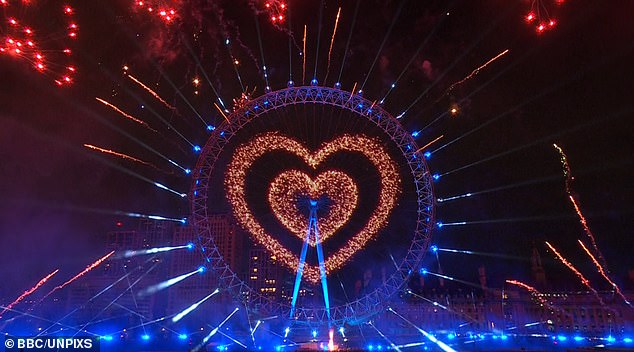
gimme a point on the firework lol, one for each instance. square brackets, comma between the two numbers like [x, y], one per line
[304, 56]
[290, 187]
[28, 292]
[163, 10]
[538, 295]
[248, 153]
[430, 143]
[120, 155]
[153, 93]
[27, 41]
[602, 272]
[276, 10]
[475, 72]
[572, 268]
[332, 41]
[80, 274]
[125, 114]
[573, 201]
[539, 16]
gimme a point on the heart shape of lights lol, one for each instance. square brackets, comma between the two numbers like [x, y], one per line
[289, 187]
[246, 154]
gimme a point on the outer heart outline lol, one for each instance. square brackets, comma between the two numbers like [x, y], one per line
[339, 187]
[245, 156]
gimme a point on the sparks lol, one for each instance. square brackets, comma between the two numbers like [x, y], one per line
[120, 155]
[332, 41]
[568, 188]
[572, 268]
[475, 72]
[153, 93]
[602, 272]
[28, 292]
[126, 115]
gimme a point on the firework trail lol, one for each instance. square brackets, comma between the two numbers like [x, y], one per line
[568, 187]
[120, 155]
[603, 273]
[332, 41]
[538, 295]
[583, 279]
[476, 71]
[149, 90]
[530, 289]
[126, 115]
[430, 143]
[28, 292]
[304, 56]
[82, 273]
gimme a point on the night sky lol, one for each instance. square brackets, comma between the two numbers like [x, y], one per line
[571, 85]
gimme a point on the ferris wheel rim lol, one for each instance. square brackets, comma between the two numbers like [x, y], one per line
[235, 121]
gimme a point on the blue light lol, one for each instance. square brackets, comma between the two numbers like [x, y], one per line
[379, 347]
[427, 155]
[145, 337]
[182, 336]
[434, 248]
[314, 333]
[504, 337]
[370, 347]
[313, 203]
[360, 106]
[290, 84]
[341, 330]
[610, 339]
[191, 246]
[222, 133]
[423, 271]
[202, 269]
[188, 171]
[436, 177]
[338, 85]
[562, 338]
[415, 134]
[278, 348]
[210, 128]
[451, 336]
[313, 82]
[439, 224]
[266, 102]
[197, 148]
[578, 338]
[628, 340]
[106, 338]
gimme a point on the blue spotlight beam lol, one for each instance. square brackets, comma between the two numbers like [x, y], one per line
[134, 253]
[300, 271]
[191, 308]
[394, 347]
[116, 298]
[443, 346]
[215, 330]
[320, 257]
[167, 283]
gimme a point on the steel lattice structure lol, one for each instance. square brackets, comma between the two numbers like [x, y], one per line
[229, 281]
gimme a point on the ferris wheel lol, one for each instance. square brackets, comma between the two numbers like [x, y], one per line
[323, 181]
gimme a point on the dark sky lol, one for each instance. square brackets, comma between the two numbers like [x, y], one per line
[572, 85]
